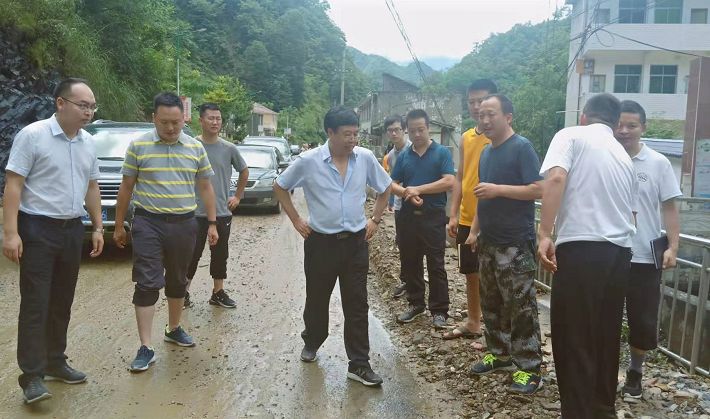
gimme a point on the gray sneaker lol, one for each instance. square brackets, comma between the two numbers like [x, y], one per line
[439, 321]
[411, 314]
[35, 390]
[178, 336]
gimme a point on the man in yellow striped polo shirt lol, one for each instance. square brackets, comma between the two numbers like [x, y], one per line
[160, 171]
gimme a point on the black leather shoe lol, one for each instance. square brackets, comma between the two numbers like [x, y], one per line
[309, 355]
[64, 373]
[35, 391]
[364, 375]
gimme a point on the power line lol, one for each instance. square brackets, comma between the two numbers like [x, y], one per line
[400, 26]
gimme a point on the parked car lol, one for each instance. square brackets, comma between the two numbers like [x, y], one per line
[111, 140]
[295, 150]
[279, 142]
[264, 168]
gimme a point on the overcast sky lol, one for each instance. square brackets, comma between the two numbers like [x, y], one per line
[436, 28]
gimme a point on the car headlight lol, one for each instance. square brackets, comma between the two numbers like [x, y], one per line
[264, 183]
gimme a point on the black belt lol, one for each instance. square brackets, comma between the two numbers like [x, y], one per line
[342, 235]
[423, 211]
[170, 218]
[55, 221]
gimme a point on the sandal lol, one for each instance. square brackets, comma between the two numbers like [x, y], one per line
[461, 332]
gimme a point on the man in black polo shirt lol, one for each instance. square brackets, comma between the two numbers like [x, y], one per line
[423, 174]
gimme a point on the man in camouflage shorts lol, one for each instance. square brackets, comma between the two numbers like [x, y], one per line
[509, 184]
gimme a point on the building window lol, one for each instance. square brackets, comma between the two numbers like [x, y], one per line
[632, 11]
[627, 79]
[663, 79]
[602, 17]
[698, 15]
[597, 83]
[668, 11]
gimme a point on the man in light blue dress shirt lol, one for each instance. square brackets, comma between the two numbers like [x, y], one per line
[334, 178]
[51, 172]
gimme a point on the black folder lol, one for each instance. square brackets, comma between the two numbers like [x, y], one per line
[658, 247]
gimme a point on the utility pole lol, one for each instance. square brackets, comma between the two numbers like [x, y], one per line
[342, 80]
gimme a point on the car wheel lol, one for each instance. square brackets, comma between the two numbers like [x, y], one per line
[276, 209]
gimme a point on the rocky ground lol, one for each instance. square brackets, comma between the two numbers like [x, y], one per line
[669, 391]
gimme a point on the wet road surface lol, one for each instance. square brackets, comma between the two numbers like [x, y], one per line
[246, 361]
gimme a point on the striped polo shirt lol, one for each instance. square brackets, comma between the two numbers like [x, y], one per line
[165, 173]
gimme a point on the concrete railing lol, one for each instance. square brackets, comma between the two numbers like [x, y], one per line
[683, 323]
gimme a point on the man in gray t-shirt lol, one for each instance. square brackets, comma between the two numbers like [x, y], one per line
[223, 156]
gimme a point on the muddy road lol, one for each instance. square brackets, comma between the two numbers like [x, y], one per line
[246, 360]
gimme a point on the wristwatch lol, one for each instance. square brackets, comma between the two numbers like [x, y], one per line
[212, 223]
[376, 221]
[99, 230]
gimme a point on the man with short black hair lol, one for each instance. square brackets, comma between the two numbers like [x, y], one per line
[503, 233]
[463, 209]
[422, 176]
[395, 128]
[52, 173]
[223, 156]
[334, 178]
[163, 166]
[658, 188]
[589, 195]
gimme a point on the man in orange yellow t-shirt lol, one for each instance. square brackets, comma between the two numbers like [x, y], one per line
[463, 210]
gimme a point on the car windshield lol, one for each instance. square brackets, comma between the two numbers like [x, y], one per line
[280, 145]
[261, 159]
[112, 142]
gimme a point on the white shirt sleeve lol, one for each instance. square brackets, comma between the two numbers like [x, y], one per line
[668, 186]
[21, 157]
[559, 154]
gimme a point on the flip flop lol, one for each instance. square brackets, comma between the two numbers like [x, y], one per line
[461, 332]
[478, 346]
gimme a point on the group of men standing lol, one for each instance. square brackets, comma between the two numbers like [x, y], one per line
[600, 185]
[606, 194]
[52, 175]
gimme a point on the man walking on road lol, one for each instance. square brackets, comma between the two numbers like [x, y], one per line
[463, 208]
[424, 171]
[590, 187]
[509, 185]
[52, 171]
[223, 156]
[334, 178]
[163, 166]
[394, 126]
[658, 188]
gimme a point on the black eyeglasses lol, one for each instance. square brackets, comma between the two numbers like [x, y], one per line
[83, 106]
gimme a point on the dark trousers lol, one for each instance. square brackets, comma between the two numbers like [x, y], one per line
[331, 257]
[424, 234]
[49, 268]
[218, 253]
[396, 240]
[586, 307]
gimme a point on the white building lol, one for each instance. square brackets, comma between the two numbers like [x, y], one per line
[610, 61]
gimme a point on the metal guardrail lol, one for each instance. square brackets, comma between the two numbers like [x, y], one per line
[683, 323]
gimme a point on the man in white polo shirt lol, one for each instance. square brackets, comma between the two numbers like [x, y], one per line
[658, 188]
[590, 187]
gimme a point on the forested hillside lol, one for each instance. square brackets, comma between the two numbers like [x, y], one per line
[374, 65]
[286, 54]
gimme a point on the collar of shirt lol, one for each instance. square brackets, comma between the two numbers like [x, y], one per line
[642, 154]
[325, 153]
[157, 139]
[58, 131]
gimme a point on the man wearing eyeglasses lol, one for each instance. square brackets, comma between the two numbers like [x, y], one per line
[51, 173]
[394, 125]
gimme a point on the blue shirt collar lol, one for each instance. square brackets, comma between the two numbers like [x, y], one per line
[325, 152]
[57, 129]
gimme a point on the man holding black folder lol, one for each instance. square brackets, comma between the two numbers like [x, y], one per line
[658, 188]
